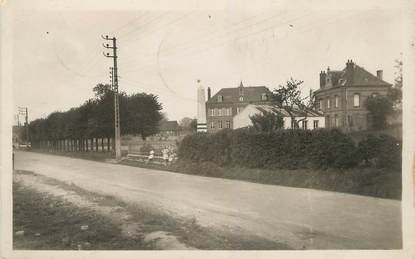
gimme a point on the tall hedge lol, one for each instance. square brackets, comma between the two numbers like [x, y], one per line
[289, 149]
[381, 151]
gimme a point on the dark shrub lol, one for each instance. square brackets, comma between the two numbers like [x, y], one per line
[382, 151]
[203, 147]
[331, 148]
[288, 149]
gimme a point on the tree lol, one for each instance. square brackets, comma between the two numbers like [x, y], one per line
[267, 121]
[188, 124]
[139, 114]
[379, 108]
[102, 90]
[288, 97]
[395, 92]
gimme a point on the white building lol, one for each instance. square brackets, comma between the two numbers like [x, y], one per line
[314, 119]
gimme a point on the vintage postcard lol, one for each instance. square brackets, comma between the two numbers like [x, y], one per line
[195, 129]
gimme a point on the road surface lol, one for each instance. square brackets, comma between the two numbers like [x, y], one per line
[300, 218]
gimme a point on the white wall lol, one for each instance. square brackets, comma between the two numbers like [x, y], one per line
[310, 122]
[242, 119]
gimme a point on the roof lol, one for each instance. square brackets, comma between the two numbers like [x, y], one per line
[297, 112]
[250, 94]
[362, 77]
[358, 76]
[168, 126]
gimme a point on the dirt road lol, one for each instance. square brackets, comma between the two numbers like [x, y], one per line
[300, 218]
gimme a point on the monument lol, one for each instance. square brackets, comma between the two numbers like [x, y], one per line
[201, 108]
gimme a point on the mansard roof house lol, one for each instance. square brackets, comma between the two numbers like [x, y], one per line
[342, 95]
[228, 102]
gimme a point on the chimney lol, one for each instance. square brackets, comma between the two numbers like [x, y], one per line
[349, 64]
[379, 74]
[322, 79]
[349, 72]
[209, 93]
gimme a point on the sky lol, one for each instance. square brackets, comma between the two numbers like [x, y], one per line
[57, 54]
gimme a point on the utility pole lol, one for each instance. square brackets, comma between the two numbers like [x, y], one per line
[112, 78]
[114, 81]
[24, 111]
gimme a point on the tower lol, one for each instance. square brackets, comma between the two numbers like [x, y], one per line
[201, 108]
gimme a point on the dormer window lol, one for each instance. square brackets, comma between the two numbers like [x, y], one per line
[241, 98]
[220, 98]
[264, 97]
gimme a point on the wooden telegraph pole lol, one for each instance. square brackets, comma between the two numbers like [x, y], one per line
[117, 136]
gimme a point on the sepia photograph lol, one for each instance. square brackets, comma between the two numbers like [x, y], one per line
[275, 127]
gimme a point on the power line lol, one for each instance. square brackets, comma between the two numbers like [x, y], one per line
[197, 50]
[208, 40]
[141, 26]
[128, 23]
[192, 42]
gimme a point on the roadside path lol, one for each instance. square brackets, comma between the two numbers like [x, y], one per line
[300, 218]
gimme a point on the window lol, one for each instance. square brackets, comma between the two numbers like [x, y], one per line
[225, 111]
[241, 98]
[264, 97]
[336, 101]
[320, 104]
[356, 100]
[212, 125]
[220, 125]
[304, 124]
[211, 112]
[336, 121]
[220, 98]
[328, 121]
[216, 112]
[229, 111]
[219, 112]
[328, 103]
[238, 110]
[315, 124]
[228, 124]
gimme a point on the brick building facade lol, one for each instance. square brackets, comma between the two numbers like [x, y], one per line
[228, 102]
[342, 95]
